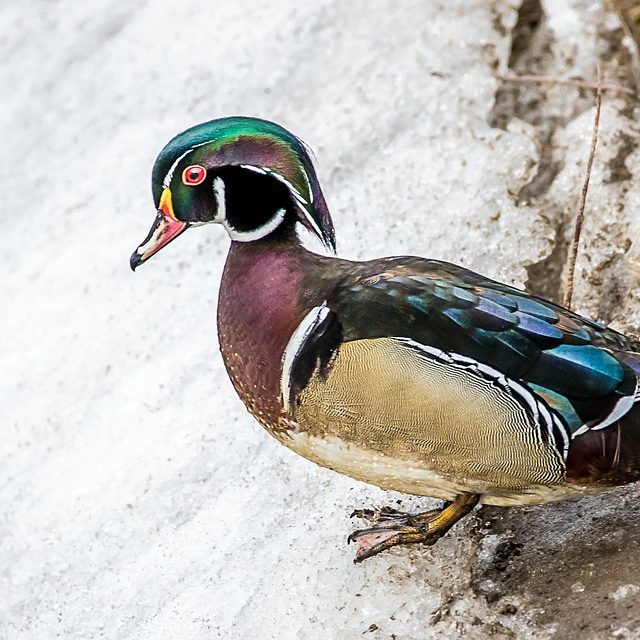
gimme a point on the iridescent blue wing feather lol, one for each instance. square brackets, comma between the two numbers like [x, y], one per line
[575, 364]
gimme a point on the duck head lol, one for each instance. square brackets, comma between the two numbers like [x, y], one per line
[251, 176]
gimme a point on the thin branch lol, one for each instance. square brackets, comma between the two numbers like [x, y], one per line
[583, 84]
[573, 249]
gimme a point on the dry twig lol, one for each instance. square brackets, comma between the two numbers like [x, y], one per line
[583, 84]
[573, 249]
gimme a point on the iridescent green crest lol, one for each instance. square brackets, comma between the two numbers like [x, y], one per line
[254, 143]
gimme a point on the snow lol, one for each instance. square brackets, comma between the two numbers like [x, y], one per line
[139, 499]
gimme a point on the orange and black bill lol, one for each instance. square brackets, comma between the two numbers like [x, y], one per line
[165, 228]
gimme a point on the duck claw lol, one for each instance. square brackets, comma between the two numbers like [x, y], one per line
[370, 542]
[377, 515]
[391, 527]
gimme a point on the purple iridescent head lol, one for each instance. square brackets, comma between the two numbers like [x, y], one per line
[250, 175]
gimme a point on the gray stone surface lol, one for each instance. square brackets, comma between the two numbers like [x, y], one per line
[138, 499]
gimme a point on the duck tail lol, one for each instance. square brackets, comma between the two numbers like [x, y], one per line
[610, 455]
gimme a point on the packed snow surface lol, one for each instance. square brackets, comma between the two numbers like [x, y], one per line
[138, 498]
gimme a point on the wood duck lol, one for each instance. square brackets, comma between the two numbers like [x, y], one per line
[411, 374]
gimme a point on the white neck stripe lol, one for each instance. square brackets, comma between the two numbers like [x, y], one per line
[255, 234]
[298, 198]
[242, 236]
[221, 201]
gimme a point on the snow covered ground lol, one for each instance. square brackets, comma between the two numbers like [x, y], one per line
[138, 499]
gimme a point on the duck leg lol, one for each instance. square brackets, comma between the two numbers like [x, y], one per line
[390, 527]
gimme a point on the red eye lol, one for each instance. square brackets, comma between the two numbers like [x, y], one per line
[194, 175]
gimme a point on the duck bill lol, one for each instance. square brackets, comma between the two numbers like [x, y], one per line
[165, 229]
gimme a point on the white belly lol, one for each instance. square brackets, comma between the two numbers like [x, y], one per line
[414, 477]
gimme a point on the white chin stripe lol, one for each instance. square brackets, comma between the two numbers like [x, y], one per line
[298, 199]
[255, 234]
[242, 236]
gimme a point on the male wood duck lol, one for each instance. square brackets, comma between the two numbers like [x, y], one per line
[411, 374]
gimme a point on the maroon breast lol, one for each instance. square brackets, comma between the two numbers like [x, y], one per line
[260, 305]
